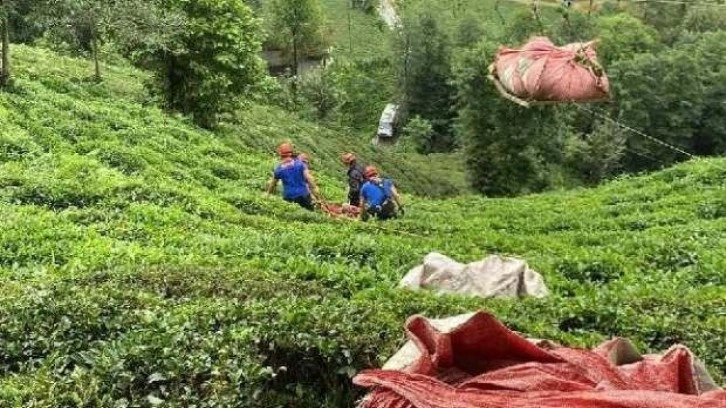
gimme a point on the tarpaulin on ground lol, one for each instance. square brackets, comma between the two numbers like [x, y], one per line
[494, 276]
[479, 362]
[541, 71]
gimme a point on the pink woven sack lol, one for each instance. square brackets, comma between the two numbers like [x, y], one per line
[541, 71]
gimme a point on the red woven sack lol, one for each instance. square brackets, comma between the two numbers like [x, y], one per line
[541, 71]
[481, 363]
[338, 211]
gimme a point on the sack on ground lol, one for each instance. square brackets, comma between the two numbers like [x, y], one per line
[494, 276]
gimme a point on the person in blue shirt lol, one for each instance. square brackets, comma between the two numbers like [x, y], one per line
[298, 185]
[379, 197]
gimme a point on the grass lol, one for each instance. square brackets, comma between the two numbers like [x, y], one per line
[142, 266]
[492, 15]
[365, 37]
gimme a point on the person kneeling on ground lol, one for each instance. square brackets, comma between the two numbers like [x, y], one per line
[379, 197]
[297, 182]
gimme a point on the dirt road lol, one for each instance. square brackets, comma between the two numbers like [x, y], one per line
[387, 11]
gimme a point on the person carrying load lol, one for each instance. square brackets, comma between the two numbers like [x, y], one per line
[379, 197]
[355, 178]
[298, 185]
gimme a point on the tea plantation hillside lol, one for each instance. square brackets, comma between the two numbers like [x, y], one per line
[141, 265]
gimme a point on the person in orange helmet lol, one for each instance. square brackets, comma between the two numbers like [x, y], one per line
[355, 178]
[298, 185]
[379, 197]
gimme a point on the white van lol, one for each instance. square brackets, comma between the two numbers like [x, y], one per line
[387, 124]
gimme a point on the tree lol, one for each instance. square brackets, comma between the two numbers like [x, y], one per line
[299, 24]
[623, 35]
[5, 60]
[424, 77]
[469, 32]
[128, 25]
[318, 91]
[9, 9]
[675, 96]
[522, 26]
[703, 18]
[597, 155]
[364, 87]
[14, 17]
[576, 26]
[83, 23]
[418, 132]
[667, 18]
[209, 65]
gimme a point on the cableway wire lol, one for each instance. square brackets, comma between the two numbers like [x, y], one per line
[638, 132]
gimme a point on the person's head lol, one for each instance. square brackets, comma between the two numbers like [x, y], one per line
[370, 173]
[348, 158]
[285, 150]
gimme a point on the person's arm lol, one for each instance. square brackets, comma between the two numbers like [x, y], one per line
[395, 195]
[272, 185]
[397, 199]
[362, 213]
[311, 182]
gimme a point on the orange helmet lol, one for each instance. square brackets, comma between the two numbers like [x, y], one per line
[303, 158]
[348, 158]
[370, 172]
[284, 150]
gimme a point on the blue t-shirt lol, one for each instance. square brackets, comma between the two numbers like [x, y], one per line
[303, 163]
[373, 194]
[292, 174]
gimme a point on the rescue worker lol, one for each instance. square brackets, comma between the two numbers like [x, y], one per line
[379, 197]
[298, 185]
[355, 178]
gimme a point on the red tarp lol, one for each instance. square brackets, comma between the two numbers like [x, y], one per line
[337, 211]
[541, 71]
[481, 363]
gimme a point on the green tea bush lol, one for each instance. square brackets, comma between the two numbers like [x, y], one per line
[57, 182]
[142, 265]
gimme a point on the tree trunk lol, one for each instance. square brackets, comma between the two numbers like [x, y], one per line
[94, 52]
[5, 69]
[350, 36]
[294, 56]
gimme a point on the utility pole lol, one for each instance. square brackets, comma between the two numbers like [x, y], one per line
[350, 36]
[645, 11]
